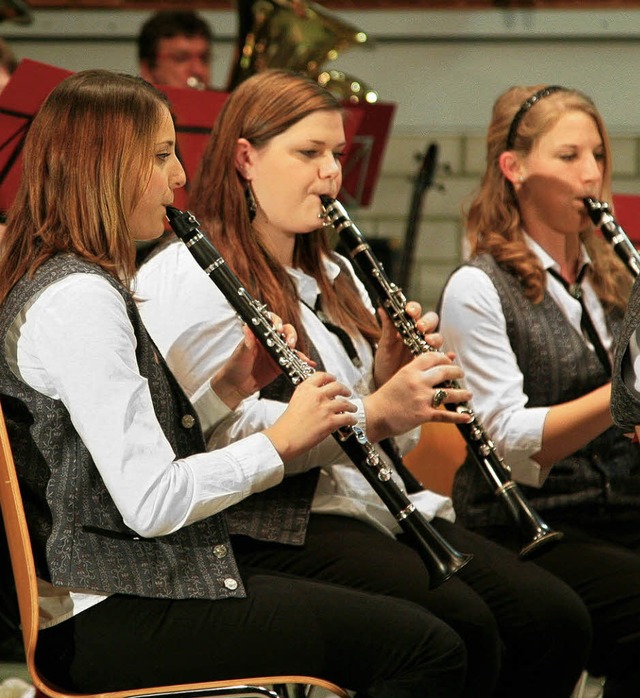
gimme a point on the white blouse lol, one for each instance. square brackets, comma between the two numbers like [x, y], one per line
[74, 343]
[474, 327]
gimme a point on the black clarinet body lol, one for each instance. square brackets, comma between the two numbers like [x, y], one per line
[535, 534]
[440, 558]
[601, 215]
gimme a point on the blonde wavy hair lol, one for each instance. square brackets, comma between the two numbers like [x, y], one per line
[494, 224]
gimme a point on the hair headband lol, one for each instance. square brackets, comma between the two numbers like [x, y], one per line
[524, 108]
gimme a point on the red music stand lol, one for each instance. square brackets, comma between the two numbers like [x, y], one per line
[363, 158]
[627, 214]
[20, 100]
[195, 111]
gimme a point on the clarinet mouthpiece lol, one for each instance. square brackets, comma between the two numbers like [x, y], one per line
[172, 213]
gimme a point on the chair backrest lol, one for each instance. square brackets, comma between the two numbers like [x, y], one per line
[24, 574]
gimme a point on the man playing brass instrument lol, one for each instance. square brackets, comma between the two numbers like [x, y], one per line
[174, 48]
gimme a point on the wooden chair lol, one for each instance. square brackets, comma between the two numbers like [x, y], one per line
[26, 586]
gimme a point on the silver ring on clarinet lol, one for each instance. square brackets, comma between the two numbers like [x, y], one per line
[438, 398]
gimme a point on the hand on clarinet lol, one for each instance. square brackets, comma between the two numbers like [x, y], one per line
[250, 367]
[411, 397]
[317, 408]
[392, 353]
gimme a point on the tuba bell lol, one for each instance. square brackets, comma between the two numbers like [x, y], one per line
[300, 36]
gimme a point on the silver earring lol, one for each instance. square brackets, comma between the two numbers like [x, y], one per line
[521, 179]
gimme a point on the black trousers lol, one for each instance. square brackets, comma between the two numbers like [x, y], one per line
[378, 646]
[527, 634]
[601, 563]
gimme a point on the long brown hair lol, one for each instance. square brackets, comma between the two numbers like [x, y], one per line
[92, 137]
[494, 224]
[260, 108]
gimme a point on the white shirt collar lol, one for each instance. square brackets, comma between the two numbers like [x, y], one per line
[307, 286]
[548, 262]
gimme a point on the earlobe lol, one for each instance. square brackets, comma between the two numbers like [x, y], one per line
[511, 167]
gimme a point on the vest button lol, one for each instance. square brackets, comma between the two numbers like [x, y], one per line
[230, 583]
[220, 551]
[188, 420]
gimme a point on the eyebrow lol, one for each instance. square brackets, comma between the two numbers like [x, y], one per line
[317, 142]
[168, 142]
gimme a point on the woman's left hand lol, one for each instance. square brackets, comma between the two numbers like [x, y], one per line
[250, 367]
[392, 353]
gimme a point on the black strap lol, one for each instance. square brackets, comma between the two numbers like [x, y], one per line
[586, 323]
[341, 334]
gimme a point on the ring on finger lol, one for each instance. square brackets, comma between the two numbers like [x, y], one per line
[438, 398]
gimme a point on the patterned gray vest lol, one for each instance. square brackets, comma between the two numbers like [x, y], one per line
[78, 535]
[279, 514]
[601, 480]
[625, 406]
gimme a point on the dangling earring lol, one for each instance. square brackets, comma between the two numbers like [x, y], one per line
[251, 201]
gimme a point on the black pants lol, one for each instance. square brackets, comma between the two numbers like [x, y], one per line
[378, 646]
[527, 634]
[601, 562]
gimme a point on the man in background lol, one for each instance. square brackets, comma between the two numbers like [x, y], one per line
[8, 63]
[174, 48]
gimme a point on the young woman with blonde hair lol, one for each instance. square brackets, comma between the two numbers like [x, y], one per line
[533, 318]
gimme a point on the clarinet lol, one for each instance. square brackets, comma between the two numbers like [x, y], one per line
[535, 533]
[601, 216]
[440, 558]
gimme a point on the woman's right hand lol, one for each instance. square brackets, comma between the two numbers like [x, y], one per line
[317, 408]
[405, 401]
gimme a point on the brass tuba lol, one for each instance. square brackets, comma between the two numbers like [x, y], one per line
[300, 36]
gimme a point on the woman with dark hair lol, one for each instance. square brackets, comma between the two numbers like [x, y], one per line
[274, 151]
[139, 582]
[532, 318]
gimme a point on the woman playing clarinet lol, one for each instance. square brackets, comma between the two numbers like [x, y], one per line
[532, 318]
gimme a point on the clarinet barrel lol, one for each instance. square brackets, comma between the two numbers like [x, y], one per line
[439, 557]
[534, 533]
